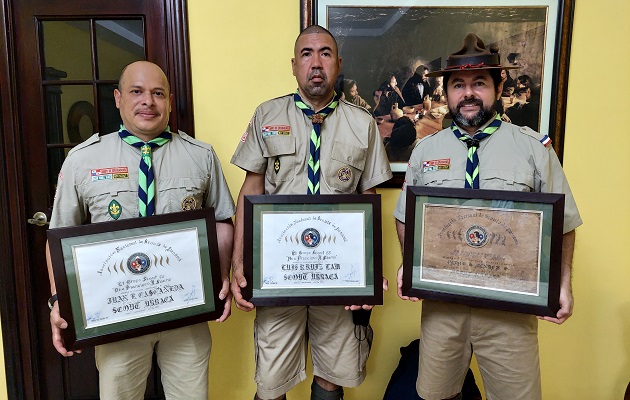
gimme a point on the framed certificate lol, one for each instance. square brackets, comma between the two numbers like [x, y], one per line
[117, 280]
[486, 248]
[313, 250]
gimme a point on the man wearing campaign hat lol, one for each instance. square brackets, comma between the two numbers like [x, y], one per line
[479, 151]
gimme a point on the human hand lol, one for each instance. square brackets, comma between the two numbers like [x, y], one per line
[225, 294]
[367, 306]
[239, 282]
[566, 307]
[57, 324]
[399, 280]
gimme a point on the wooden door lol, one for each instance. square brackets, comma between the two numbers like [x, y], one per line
[63, 60]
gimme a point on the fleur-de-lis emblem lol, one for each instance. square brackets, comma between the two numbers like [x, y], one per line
[115, 209]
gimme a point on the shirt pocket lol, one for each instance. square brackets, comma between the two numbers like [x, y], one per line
[281, 158]
[100, 196]
[518, 181]
[181, 194]
[345, 168]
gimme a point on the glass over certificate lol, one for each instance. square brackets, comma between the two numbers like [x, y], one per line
[138, 277]
[483, 247]
[309, 250]
[498, 249]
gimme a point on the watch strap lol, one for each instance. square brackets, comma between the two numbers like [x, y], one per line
[51, 301]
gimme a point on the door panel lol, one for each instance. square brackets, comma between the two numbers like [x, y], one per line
[69, 57]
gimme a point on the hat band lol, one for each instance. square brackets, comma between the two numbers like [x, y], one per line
[472, 66]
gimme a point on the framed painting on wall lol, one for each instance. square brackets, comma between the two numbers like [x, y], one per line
[384, 44]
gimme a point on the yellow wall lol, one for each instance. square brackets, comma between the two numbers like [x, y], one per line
[240, 57]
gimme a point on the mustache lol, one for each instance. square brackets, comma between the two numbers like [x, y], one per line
[469, 102]
[318, 72]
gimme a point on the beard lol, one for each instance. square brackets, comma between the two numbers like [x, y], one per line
[482, 116]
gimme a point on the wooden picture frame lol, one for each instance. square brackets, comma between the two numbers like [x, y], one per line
[122, 279]
[484, 248]
[313, 250]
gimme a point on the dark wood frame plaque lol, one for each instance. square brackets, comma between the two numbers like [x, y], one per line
[371, 294]
[61, 240]
[545, 302]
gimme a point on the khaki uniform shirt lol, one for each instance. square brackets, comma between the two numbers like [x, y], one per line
[512, 158]
[276, 144]
[99, 178]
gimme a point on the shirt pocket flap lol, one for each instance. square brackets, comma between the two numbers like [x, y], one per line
[278, 145]
[189, 183]
[350, 155]
[111, 187]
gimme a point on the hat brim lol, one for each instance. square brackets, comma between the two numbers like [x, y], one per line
[450, 70]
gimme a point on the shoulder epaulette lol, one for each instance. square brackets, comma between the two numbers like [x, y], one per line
[194, 141]
[356, 106]
[95, 138]
[544, 139]
[426, 137]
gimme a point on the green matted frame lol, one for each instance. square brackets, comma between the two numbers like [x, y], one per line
[61, 241]
[255, 206]
[551, 205]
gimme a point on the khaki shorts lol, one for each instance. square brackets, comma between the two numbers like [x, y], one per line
[505, 345]
[281, 337]
[182, 355]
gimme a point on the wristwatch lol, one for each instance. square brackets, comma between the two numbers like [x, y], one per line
[51, 301]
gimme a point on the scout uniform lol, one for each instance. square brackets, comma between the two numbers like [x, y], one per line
[99, 179]
[509, 158]
[276, 144]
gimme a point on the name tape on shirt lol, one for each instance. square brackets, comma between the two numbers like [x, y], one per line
[435, 165]
[102, 174]
[276, 130]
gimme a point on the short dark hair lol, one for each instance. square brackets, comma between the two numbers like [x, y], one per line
[317, 29]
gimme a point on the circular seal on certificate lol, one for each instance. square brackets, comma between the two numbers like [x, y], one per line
[311, 237]
[138, 263]
[476, 236]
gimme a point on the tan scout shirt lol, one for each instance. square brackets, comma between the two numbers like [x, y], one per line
[276, 143]
[102, 169]
[512, 158]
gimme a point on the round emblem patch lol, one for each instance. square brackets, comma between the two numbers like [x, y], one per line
[189, 203]
[476, 236]
[344, 174]
[311, 237]
[138, 263]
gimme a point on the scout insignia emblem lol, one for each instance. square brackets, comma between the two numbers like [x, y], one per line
[276, 165]
[115, 209]
[189, 203]
[476, 236]
[311, 237]
[344, 174]
[138, 263]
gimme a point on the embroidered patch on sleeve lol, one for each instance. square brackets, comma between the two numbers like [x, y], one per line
[276, 130]
[435, 165]
[546, 141]
[102, 174]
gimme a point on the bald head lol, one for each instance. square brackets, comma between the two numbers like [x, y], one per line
[311, 30]
[144, 100]
[142, 66]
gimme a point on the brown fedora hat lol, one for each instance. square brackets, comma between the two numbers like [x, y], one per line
[473, 55]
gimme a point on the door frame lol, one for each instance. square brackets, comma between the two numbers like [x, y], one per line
[19, 329]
